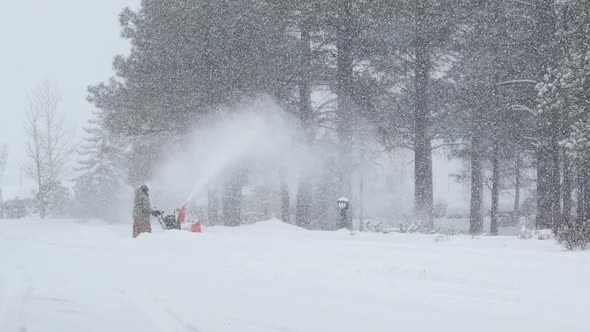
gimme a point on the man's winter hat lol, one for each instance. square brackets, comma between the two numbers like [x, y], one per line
[144, 188]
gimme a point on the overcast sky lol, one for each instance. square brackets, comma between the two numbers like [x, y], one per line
[71, 43]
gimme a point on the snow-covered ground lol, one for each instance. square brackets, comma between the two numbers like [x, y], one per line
[62, 276]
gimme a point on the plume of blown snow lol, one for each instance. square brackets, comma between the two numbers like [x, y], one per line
[258, 136]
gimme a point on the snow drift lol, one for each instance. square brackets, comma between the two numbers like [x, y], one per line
[60, 276]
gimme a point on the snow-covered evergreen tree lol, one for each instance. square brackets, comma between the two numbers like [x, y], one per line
[98, 188]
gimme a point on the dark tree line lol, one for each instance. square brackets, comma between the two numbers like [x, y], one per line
[496, 82]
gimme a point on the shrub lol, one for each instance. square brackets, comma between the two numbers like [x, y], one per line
[440, 209]
[537, 234]
[574, 234]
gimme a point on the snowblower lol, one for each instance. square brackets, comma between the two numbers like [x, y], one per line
[172, 222]
[166, 221]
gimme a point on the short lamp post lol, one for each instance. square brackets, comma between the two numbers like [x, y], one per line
[343, 205]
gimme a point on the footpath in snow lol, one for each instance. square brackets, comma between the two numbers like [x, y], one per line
[63, 276]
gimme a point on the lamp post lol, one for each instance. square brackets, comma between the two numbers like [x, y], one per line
[343, 205]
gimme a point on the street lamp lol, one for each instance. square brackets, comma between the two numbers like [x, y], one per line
[343, 205]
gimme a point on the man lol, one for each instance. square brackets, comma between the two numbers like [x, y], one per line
[142, 211]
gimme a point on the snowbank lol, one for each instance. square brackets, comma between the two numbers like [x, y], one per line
[64, 276]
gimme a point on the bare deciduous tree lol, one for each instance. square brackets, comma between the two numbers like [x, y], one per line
[35, 166]
[48, 142]
[3, 161]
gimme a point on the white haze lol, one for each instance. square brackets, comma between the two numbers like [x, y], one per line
[260, 135]
[264, 139]
[69, 43]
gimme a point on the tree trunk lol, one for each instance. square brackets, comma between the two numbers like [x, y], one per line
[304, 203]
[212, 206]
[548, 176]
[544, 218]
[517, 185]
[495, 188]
[1, 205]
[583, 191]
[580, 184]
[476, 216]
[361, 202]
[344, 92]
[586, 197]
[566, 123]
[422, 144]
[555, 170]
[304, 190]
[548, 204]
[568, 179]
[322, 204]
[41, 193]
[232, 199]
[40, 184]
[285, 199]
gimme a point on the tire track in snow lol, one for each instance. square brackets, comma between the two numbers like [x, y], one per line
[15, 290]
[162, 317]
[272, 327]
[188, 326]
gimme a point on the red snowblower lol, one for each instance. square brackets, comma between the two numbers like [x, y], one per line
[171, 221]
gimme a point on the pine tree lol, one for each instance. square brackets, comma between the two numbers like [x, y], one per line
[98, 188]
[187, 60]
[493, 100]
[412, 48]
[574, 92]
